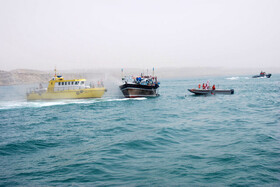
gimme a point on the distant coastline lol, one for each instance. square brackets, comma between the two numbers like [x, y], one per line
[17, 77]
[26, 76]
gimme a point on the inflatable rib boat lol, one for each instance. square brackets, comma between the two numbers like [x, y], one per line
[209, 92]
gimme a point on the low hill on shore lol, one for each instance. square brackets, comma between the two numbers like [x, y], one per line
[16, 77]
[25, 76]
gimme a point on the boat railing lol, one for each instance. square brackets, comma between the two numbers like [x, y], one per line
[66, 88]
[40, 89]
[36, 90]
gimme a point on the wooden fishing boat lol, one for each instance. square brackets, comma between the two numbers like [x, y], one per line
[141, 86]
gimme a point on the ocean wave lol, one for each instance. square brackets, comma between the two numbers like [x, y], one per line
[25, 147]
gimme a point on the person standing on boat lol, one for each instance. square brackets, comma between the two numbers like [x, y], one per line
[203, 86]
[198, 86]
[213, 87]
[207, 85]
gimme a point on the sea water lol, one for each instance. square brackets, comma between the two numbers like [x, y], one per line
[176, 139]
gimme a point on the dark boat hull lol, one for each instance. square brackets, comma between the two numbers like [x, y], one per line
[135, 90]
[268, 75]
[209, 92]
[258, 76]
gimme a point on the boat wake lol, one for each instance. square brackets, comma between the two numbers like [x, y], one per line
[232, 78]
[25, 104]
[5, 105]
[33, 104]
[236, 78]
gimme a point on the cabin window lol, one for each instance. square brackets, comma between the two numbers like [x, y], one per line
[59, 84]
[72, 83]
[82, 82]
[62, 83]
[76, 83]
[68, 83]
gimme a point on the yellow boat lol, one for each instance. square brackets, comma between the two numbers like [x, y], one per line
[59, 88]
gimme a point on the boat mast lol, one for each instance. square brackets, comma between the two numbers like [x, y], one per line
[55, 72]
[122, 74]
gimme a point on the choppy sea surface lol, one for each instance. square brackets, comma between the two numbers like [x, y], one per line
[176, 139]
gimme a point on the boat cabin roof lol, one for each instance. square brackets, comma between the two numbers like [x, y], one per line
[61, 79]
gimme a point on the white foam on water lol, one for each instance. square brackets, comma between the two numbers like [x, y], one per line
[122, 99]
[236, 78]
[139, 98]
[37, 104]
[233, 78]
[30, 104]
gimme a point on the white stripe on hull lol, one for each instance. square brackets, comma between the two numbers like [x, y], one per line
[143, 95]
[132, 88]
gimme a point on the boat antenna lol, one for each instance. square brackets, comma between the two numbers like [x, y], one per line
[153, 71]
[122, 72]
[55, 71]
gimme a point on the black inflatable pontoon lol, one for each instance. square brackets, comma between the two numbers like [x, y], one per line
[208, 92]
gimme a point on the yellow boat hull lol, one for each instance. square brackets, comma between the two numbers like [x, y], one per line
[67, 94]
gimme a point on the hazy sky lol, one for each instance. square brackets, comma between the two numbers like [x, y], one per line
[41, 34]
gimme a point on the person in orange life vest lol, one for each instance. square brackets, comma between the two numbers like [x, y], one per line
[199, 86]
[203, 86]
[213, 87]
